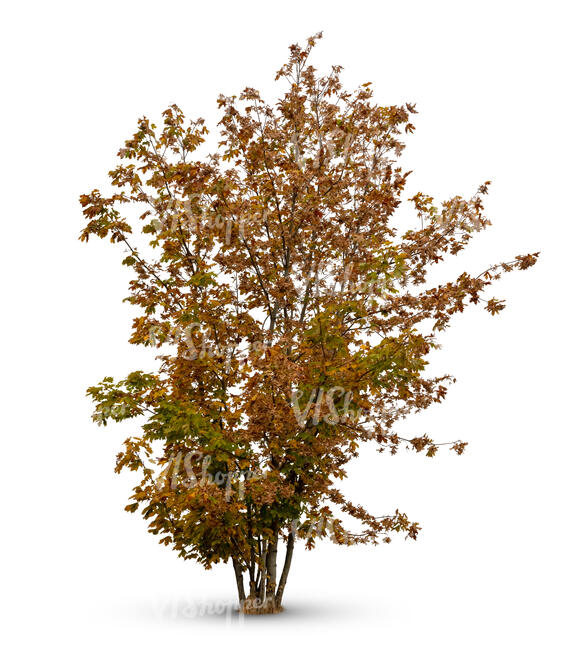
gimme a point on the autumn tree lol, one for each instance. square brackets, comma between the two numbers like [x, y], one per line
[293, 315]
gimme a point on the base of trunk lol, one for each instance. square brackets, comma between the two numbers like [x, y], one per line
[255, 607]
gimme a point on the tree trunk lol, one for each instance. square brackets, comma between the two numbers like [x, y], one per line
[271, 574]
[265, 594]
[252, 575]
[285, 569]
[239, 581]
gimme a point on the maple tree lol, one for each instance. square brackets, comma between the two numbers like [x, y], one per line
[293, 314]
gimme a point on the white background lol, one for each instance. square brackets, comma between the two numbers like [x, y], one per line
[491, 568]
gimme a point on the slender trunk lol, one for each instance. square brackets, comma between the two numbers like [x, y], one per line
[252, 560]
[286, 568]
[239, 581]
[262, 583]
[271, 571]
[265, 591]
[252, 575]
